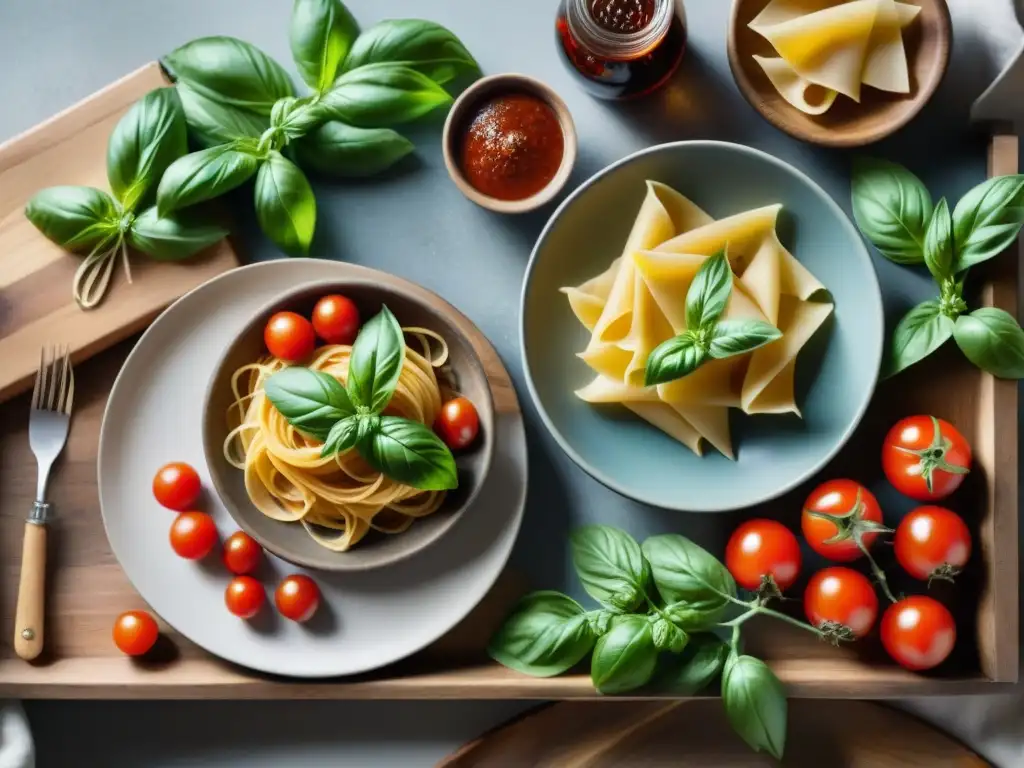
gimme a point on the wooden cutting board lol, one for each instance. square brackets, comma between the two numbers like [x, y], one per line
[695, 734]
[36, 305]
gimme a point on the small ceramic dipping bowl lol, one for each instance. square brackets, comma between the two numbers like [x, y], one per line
[467, 107]
[927, 42]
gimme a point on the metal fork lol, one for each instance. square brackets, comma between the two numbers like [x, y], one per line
[48, 424]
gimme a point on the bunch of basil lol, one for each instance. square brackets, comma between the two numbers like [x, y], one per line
[148, 139]
[894, 211]
[242, 107]
[659, 607]
[707, 336]
[346, 417]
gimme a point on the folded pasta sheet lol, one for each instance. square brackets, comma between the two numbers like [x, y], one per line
[639, 302]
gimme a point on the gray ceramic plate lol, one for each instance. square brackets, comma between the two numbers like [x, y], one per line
[836, 372]
[290, 540]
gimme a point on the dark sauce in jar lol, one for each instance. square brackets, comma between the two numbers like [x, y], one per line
[621, 49]
[512, 147]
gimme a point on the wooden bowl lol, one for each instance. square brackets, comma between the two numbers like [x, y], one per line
[461, 113]
[290, 540]
[847, 124]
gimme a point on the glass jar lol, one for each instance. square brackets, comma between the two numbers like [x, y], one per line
[621, 49]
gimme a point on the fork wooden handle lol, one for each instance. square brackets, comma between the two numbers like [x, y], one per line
[28, 620]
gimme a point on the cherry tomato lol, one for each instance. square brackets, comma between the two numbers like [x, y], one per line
[925, 458]
[241, 553]
[458, 423]
[336, 320]
[835, 513]
[289, 337]
[933, 543]
[193, 535]
[297, 597]
[918, 632]
[763, 548]
[176, 486]
[838, 598]
[135, 632]
[244, 596]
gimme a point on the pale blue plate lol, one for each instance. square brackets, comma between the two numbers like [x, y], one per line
[836, 372]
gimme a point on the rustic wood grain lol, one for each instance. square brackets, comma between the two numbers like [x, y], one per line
[696, 733]
[928, 41]
[36, 304]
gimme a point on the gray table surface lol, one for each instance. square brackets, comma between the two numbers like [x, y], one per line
[415, 224]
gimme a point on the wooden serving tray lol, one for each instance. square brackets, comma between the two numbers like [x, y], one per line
[87, 588]
[36, 305]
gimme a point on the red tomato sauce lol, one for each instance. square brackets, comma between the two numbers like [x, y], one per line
[512, 147]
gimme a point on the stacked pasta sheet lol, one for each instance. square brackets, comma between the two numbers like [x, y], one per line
[640, 302]
[831, 47]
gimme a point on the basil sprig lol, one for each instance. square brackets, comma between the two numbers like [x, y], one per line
[662, 605]
[103, 226]
[243, 110]
[894, 211]
[352, 416]
[706, 337]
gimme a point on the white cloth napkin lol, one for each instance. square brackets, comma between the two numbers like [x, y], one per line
[16, 750]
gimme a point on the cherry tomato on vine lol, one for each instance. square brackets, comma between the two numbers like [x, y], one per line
[176, 486]
[289, 337]
[836, 514]
[336, 319]
[932, 543]
[193, 535]
[760, 548]
[925, 458]
[918, 632]
[241, 553]
[135, 632]
[841, 602]
[458, 423]
[244, 596]
[297, 598]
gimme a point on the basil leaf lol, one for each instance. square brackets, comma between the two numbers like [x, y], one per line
[600, 621]
[343, 437]
[230, 71]
[321, 34]
[685, 572]
[211, 123]
[696, 615]
[709, 293]
[993, 340]
[144, 142]
[988, 219]
[378, 95]
[172, 237]
[296, 117]
[546, 634]
[75, 218]
[755, 704]
[625, 657]
[938, 243]
[376, 361]
[343, 150]
[409, 452]
[421, 45]
[311, 401]
[667, 636]
[673, 359]
[921, 331]
[610, 565]
[737, 337]
[203, 175]
[700, 663]
[285, 204]
[892, 207]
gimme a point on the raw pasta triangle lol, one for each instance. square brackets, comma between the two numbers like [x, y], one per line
[885, 66]
[808, 97]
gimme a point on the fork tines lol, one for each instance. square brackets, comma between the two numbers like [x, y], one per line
[55, 381]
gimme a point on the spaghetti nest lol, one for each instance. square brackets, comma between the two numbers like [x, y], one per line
[338, 498]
